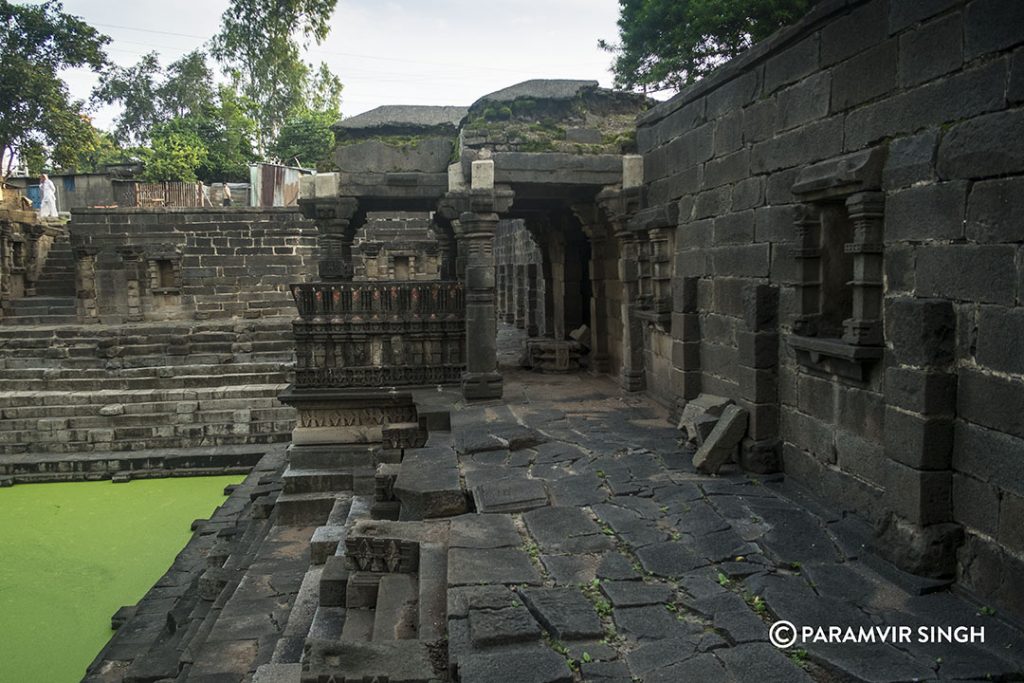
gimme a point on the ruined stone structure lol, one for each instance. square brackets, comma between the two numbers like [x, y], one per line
[398, 247]
[803, 274]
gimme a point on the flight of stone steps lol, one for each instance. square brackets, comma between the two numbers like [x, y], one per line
[54, 300]
[374, 597]
[148, 386]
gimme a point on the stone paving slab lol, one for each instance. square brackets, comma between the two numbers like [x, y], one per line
[686, 572]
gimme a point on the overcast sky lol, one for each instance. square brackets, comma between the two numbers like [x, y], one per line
[389, 51]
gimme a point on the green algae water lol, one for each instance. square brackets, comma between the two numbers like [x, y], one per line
[71, 554]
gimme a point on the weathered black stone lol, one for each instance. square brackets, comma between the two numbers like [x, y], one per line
[565, 612]
[653, 622]
[545, 666]
[502, 626]
[761, 662]
[669, 559]
[471, 566]
[926, 212]
[483, 531]
[933, 50]
[616, 567]
[566, 529]
[636, 593]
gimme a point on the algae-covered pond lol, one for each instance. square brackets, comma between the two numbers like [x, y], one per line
[71, 554]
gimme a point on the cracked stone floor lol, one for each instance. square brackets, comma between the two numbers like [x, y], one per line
[642, 569]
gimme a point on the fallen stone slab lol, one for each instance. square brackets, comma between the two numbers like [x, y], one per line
[473, 566]
[502, 626]
[705, 405]
[533, 665]
[428, 485]
[721, 443]
[397, 661]
[565, 612]
[483, 531]
[566, 530]
[513, 494]
[637, 593]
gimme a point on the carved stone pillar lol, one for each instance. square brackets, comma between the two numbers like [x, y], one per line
[134, 274]
[481, 379]
[864, 326]
[85, 283]
[597, 231]
[618, 205]
[532, 310]
[807, 253]
[519, 314]
[632, 376]
[34, 261]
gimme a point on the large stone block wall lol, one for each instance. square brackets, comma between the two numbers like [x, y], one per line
[165, 264]
[934, 430]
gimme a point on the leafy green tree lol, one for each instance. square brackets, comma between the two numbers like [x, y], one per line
[188, 87]
[173, 155]
[136, 89]
[667, 44]
[307, 138]
[36, 111]
[259, 47]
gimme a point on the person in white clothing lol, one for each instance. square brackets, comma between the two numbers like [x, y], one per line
[48, 208]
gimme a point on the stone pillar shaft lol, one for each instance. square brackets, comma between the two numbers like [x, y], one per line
[481, 379]
[632, 376]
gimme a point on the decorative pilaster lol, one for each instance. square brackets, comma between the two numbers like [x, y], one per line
[618, 205]
[134, 274]
[85, 283]
[864, 326]
[597, 232]
[807, 253]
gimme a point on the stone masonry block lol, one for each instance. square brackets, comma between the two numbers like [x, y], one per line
[991, 401]
[686, 355]
[982, 274]
[911, 159]
[727, 169]
[759, 386]
[994, 211]
[903, 14]
[760, 307]
[921, 391]
[921, 497]
[803, 102]
[758, 349]
[991, 25]
[686, 327]
[921, 331]
[989, 456]
[965, 94]
[975, 504]
[860, 29]
[919, 442]
[933, 50]
[865, 77]
[721, 443]
[791, 64]
[1011, 530]
[926, 212]
[999, 335]
[985, 146]
[749, 260]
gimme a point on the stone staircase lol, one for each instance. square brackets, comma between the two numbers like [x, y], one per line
[54, 300]
[374, 598]
[147, 386]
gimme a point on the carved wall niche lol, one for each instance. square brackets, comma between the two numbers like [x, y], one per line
[839, 267]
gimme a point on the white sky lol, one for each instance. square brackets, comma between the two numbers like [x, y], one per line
[389, 51]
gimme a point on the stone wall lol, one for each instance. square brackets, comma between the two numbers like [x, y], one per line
[165, 264]
[849, 267]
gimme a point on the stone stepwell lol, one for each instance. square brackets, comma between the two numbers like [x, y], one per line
[89, 388]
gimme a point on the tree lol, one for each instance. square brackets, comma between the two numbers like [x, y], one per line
[36, 43]
[667, 44]
[307, 138]
[173, 155]
[258, 45]
[148, 96]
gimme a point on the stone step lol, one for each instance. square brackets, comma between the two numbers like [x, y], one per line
[46, 425]
[356, 659]
[131, 439]
[358, 625]
[328, 623]
[306, 509]
[311, 481]
[433, 591]
[428, 484]
[138, 383]
[40, 320]
[157, 371]
[397, 611]
[104, 397]
[259, 403]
